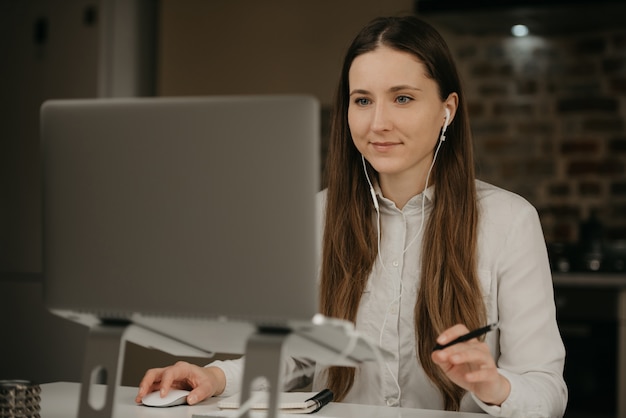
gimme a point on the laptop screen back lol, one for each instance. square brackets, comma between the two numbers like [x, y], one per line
[182, 207]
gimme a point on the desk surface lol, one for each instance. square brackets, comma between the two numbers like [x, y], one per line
[591, 280]
[60, 400]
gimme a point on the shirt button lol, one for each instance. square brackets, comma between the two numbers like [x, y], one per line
[395, 263]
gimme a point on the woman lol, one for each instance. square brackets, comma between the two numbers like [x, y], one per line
[416, 252]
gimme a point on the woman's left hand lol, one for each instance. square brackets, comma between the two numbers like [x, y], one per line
[471, 366]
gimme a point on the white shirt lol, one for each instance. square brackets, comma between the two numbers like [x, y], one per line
[517, 285]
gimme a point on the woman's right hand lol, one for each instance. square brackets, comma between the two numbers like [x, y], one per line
[202, 382]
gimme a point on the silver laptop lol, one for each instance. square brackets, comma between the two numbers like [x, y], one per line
[191, 218]
[182, 207]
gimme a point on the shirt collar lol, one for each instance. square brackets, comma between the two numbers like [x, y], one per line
[414, 202]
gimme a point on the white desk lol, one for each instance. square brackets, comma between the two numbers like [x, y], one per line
[60, 400]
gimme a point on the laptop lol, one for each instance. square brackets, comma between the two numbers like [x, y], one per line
[193, 219]
[181, 206]
[192, 216]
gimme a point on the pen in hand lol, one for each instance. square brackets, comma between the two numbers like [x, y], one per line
[466, 337]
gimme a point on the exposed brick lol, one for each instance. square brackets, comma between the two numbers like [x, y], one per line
[614, 167]
[505, 70]
[593, 45]
[580, 69]
[485, 170]
[601, 168]
[495, 145]
[588, 188]
[466, 51]
[617, 211]
[483, 69]
[562, 231]
[547, 146]
[531, 69]
[526, 86]
[487, 69]
[511, 169]
[614, 65]
[618, 188]
[559, 190]
[489, 127]
[493, 89]
[583, 104]
[579, 147]
[526, 189]
[617, 232]
[563, 211]
[564, 100]
[541, 168]
[617, 145]
[535, 127]
[475, 109]
[505, 108]
[546, 53]
[614, 124]
[505, 146]
[495, 51]
[618, 85]
[618, 41]
[586, 87]
[578, 168]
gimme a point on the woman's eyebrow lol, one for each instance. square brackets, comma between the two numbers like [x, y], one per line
[404, 87]
[391, 89]
[358, 91]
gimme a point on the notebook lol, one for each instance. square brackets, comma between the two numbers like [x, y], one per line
[289, 402]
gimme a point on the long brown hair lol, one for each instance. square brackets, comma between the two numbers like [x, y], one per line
[448, 272]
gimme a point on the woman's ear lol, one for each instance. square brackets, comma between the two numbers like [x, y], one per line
[450, 105]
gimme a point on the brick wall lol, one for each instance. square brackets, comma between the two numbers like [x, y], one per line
[549, 122]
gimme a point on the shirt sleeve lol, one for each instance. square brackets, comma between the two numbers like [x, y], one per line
[233, 370]
[532, 354]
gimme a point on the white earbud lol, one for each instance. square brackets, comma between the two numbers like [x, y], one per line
[445, 126]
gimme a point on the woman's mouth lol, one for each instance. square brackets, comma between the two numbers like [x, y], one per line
[384, 146]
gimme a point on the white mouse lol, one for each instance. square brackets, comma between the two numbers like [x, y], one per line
[173, 397]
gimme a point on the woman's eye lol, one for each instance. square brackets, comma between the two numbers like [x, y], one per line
[403, 99]
[362, 101]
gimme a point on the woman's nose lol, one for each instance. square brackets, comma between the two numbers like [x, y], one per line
[380, 118]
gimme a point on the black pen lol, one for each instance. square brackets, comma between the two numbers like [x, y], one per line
[466, 337]
[322, 398]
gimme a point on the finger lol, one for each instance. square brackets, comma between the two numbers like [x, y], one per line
[174, 376]
[470, 353]
[202, 382]
[199, 393]
[484, 374]
[148, 383]
[167, 380]
[440, 357]
[451, 333]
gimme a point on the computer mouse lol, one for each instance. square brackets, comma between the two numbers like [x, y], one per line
[174, 397]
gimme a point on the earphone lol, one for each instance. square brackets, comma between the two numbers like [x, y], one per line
[445, 126]
[369, 183]
[442, 138]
